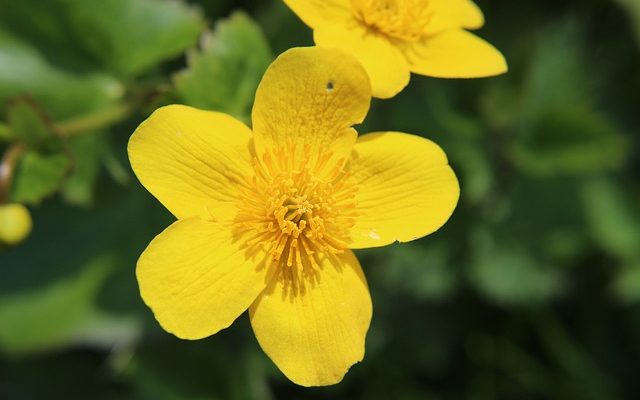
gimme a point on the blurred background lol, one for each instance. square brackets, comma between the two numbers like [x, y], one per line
[531, 291]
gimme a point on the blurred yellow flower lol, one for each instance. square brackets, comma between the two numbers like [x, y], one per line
[392, 38]
[15, 223]
[266, 218]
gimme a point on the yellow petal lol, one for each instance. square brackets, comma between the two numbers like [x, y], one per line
[315, 12]
[454, 54]
[306, 104]
[385, 64]
[197, 278]
[315, 331]
[454, 14]
[193, 161]
[406, 188]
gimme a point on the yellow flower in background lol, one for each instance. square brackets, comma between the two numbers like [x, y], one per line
[267, 217]
[392, 38]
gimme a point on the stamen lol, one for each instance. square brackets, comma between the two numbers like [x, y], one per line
[400, 19]
[295, 210]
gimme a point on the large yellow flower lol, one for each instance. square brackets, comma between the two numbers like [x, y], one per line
[392, 38]
[266, 218]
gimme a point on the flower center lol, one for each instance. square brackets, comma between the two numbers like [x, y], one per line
[294, 214]
[400, 19]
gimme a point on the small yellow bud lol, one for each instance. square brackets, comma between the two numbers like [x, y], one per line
[15, 223]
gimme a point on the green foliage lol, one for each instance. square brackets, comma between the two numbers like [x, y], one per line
[38, 176]
[555, 114]
[86, 152]
[224, 73]
[626, 285]
[129, 37]
[506, 273]
[61, 313]
[633, 6]
[63, 93]
[423, 273]
[26, 124]
[614, 219]
[5, 133]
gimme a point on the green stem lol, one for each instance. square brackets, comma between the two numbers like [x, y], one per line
[99, 119]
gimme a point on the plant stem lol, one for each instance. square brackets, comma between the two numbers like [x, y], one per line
[99, 119]
[7, 168]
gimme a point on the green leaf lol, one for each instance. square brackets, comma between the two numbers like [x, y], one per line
[424, 273]
[612, 217]
[62, 312]
[224, 73]
[5, 133]
[570, 141]
[38, 176]
[626, 285]
[27, 123]
[507, 274]
[46, 28]
[560, 129]
[86, 151]
[63, 94]
[633, 9]
[130, 37]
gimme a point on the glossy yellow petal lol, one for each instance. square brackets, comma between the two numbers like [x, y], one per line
[193, 161]
[385, 64]
[454, 54]
[406, 188]
[454, 14]
[197, 278]
[306, 104]
[313, 327]
[315, 12]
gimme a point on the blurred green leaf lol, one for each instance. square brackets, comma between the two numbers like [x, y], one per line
[424, 273]
[86, 151]
[38, 176]
[61, 313]
[633, 8]
[24, 70]
[46, 28]
[613, 219]
[26, 122]
[5, 133]
[560, 128]
[130, 37]
[570, 141]
[626, 285]
[507, 274]
[552, 115]
[224, 73]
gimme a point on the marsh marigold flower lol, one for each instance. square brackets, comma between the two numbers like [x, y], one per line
[267, 217]
[392, 38]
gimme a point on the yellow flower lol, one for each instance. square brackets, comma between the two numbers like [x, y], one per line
[266, 218]
[392, 38]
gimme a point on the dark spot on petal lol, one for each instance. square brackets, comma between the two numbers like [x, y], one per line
[330, 86]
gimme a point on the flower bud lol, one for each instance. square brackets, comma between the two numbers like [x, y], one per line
[15, 224]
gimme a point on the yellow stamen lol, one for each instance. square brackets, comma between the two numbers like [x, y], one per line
[296, 211]
[400, 19]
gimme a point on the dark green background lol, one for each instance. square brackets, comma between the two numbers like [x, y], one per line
[531, 291]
